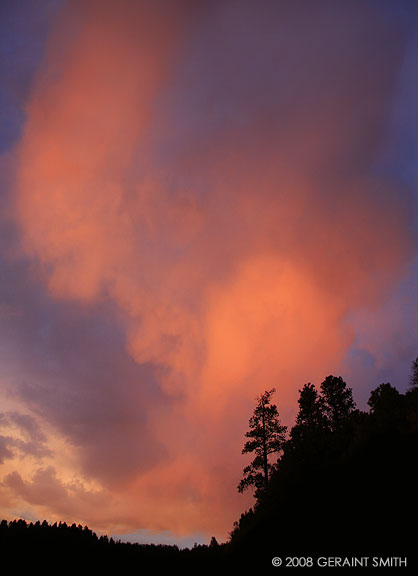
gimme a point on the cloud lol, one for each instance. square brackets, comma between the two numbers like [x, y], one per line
[27, 424]
[5, 451]
[47, 492]
[197, 197]
[43, 489]
[25, 436]
[72, 369]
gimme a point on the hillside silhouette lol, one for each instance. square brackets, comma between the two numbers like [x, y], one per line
[342, 484]
[345, 484]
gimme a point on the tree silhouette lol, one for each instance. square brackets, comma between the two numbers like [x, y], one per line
[266, 437]
[383, 399]
[311, 416]
[311, 407]
[338, 400]
[79, 547]
[341, 467]
[413, 379]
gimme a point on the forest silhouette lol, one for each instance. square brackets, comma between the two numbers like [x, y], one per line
[341, 483]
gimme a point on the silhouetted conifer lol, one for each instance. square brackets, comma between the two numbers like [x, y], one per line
[266, 437]
[413, 379]
[337, 399]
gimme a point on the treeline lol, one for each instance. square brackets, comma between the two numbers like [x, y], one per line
[345, 482]
[38, 532]
[41, 542]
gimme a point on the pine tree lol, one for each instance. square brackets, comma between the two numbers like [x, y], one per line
[311, 417]
[413, 379]
[266, 437]
[338, 400]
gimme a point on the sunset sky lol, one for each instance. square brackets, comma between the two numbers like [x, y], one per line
[199, 201]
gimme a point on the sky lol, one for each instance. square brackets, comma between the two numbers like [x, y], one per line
[199, 201]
